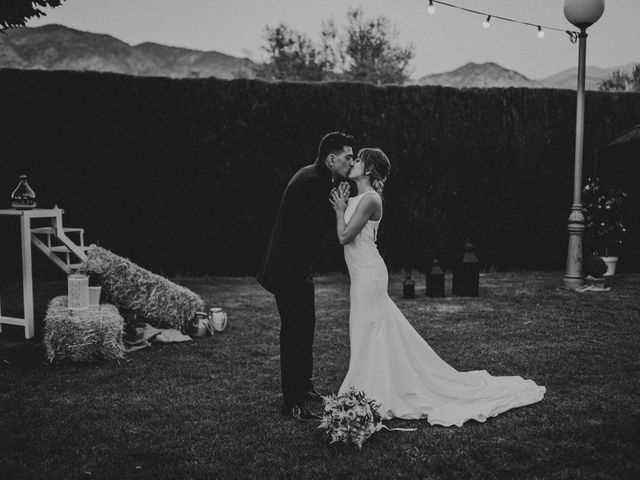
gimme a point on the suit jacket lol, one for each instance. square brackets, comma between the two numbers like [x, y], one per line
[304, 216]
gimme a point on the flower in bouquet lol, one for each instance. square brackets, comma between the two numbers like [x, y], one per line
[604, 229]
[350, 417]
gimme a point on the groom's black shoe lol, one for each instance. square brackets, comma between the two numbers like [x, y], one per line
[313, 396]
[299, 412]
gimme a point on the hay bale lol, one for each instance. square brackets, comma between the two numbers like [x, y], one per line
[158, 301]
[83, 335]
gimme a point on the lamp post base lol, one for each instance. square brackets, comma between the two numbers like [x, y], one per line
[571, 283]
[573, 277]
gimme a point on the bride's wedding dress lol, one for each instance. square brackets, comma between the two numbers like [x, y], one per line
[393, 364]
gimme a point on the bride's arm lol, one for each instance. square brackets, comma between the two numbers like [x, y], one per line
[364, 211]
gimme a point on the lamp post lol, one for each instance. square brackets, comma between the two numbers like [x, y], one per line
[583, 14]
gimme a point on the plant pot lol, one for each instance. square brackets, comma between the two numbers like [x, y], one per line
[94, 296]
[611, 265]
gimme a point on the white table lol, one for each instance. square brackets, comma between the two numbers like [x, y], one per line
[27, 273]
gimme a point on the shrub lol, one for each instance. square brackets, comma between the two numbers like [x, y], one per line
[186, 175]
[595, 266]
[601, 207]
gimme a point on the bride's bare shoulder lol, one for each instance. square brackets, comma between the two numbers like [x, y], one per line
[372, 204]
[373, 198]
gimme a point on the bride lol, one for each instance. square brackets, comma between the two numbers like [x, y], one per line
[389, 360]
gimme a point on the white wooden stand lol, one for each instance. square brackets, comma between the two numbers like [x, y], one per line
[27, 237]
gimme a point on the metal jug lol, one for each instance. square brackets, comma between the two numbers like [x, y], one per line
[203, 324]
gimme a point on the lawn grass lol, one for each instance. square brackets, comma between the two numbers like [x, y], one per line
[209, 409]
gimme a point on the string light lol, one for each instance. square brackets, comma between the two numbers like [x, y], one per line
[573, 35]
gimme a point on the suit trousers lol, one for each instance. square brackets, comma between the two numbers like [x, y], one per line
[296, 307]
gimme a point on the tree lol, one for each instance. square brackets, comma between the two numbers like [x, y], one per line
[370, 52]
[364, 51]
[14, 13]
[622, 82]
[292, 56]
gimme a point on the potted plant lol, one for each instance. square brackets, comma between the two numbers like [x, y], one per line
[604, 230]
[595, 268]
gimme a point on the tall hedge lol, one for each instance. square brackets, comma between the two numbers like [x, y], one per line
[185, 175]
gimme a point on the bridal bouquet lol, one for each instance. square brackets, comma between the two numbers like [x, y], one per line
[350, 417]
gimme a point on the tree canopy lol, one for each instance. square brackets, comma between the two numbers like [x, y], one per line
[370, 54]
[292, 56]
[15, 13]
[365, 50]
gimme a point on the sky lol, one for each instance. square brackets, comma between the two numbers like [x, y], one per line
[442, 42]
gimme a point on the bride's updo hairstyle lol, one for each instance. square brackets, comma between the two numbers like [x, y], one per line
[376, 166]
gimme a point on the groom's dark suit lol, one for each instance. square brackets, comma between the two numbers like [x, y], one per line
[304, 217]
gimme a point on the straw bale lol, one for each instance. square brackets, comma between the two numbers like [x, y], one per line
[158, 301]
[83, 335]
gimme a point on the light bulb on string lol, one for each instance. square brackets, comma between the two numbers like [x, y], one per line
[573, 35]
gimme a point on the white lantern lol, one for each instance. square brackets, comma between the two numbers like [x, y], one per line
[218, 319]
[78, 291]
[583, 13]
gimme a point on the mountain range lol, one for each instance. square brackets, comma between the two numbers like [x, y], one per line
[493, 75]
[56, 47]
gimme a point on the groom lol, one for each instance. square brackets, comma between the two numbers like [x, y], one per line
[304, 216]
